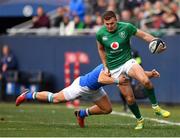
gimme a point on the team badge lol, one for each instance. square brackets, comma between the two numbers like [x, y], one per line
[122, 34]
[114, 45]
[104, 38]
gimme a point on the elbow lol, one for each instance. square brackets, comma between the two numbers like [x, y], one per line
[100, 80]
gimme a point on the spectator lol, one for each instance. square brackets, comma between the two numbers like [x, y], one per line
[158, 8]
[100, 7]
[41, 20]
[59, 19]
[166, 2]
[67, 26]
[112, 6]
[8, 63]
[170, 16]
[77, 7]
[131, 4]
[148, 9]
[89, 6]
[157, 15]
[170, 19]
[88, 22]
[98, 23]
[126, 16]
[78, 24]
[145, 15]
[174, 7]
[138, 18]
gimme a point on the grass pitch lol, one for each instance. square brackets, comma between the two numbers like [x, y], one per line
[47, 120]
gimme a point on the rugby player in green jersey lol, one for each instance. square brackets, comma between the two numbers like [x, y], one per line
[113, 42]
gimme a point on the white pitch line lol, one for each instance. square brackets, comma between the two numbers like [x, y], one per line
[147, 118]
[41, 123]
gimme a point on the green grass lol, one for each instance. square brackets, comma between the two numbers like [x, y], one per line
[47, 120]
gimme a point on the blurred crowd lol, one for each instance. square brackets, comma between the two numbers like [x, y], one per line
[86, 15]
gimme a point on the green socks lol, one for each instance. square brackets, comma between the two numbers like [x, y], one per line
[135, 110]
[150, 93]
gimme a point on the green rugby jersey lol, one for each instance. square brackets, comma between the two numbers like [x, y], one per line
[116, 44]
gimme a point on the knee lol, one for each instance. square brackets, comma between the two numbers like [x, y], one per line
[130, 100]
[59, 97]
[108, 110]
[147, 83]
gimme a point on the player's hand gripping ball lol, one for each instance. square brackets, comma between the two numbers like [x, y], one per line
[157, 46]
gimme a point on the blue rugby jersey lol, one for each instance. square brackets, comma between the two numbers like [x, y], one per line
[91, 79]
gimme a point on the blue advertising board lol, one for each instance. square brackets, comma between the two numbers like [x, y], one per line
[48, 54]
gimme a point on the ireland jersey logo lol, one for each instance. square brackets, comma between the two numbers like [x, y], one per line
[114, 45]
[122, 35]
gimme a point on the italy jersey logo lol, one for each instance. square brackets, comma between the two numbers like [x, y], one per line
[114, 45]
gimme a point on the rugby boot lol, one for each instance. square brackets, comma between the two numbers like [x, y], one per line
[161, 112]
[21, 98]
[80, 120]
[140, 124]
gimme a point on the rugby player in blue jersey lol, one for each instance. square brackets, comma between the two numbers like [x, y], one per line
[89, 85]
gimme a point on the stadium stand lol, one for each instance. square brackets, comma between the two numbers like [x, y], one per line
[157, 17]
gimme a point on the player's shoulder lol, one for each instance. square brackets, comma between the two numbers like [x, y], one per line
[101, 30]
[125, 24]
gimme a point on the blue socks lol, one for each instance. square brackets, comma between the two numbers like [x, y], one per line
[32, 96]
[29, 96]
[83, 113]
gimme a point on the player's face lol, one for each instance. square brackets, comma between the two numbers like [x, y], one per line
[110, 24]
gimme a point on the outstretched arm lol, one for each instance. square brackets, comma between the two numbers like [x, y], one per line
[106, 79]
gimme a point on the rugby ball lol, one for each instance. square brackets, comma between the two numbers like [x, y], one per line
[156, 45]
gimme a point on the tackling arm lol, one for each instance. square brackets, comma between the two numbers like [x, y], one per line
[106, 79]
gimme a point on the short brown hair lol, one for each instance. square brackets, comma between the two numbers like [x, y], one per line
[108, 15]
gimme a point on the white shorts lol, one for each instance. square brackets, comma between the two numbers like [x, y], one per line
[75, 91]
[123, 69]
